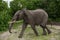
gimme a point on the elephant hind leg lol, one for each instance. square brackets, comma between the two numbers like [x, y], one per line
[48, 30]
[45, 27]
[44, 31]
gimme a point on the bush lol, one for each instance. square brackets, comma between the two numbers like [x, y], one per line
[52, 7]
[4, 18]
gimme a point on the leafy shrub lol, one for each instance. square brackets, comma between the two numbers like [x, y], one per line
[4, 18]
[50, 6]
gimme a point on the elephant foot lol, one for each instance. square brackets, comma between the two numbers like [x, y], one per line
[19, 36]
[44, 33]
[15, 32]
[49, 32]
[37, 35]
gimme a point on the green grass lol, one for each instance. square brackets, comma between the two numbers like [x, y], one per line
[30, 35]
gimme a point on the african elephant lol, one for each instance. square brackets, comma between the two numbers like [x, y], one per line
[31, 17]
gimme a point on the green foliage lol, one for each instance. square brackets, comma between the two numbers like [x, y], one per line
[52, 7]
[52, 10]
[0, 0]
[3, 6]
[4, 16]
[15, 5]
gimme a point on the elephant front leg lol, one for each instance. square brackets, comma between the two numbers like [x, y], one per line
[34, 29]
[22, 31]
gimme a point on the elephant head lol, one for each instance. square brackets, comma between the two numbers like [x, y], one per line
[18, 16]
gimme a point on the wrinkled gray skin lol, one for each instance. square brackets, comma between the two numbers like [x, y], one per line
[32, 17]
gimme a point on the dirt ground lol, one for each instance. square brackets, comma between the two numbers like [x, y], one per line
[55, 35]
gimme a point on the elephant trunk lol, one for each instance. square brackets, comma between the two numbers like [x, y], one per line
[10, 26]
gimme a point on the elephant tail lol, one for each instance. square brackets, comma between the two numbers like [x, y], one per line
[50, 22]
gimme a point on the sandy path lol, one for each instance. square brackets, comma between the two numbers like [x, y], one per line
[14, 36]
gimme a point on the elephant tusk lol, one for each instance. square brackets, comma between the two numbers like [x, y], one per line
[11, 22]
[15, 22]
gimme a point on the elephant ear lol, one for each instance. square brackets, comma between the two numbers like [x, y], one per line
[28, 13]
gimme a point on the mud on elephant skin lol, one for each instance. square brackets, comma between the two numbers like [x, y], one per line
[32, 17]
